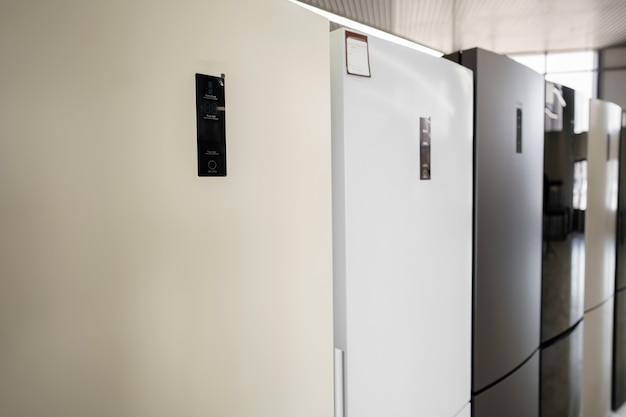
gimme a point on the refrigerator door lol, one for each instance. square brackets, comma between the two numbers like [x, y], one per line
[563, 278]
[509, 130]
[516, 396]
[561, 375]
[402, 243]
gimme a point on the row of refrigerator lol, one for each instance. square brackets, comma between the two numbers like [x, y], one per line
[466, 283]
[581, 163]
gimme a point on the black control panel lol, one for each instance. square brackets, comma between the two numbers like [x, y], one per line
[211, 125]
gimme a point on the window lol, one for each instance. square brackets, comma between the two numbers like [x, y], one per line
[576, 70]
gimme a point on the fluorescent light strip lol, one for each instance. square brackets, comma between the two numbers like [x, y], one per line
[343, 21]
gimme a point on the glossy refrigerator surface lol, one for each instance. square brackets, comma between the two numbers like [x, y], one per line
[515, 396]
[561, 375]
[402, 245]
[563, 285]
[563, 272]
[619, 332]
[509, 134]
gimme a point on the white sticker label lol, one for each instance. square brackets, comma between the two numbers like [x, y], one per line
[357, 55]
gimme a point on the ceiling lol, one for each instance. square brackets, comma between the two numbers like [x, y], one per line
[502, 26]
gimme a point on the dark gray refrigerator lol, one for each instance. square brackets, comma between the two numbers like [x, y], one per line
[508, 200]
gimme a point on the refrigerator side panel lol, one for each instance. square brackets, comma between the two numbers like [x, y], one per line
[339, 224]
[407, 247]
[600, 219]
[339, 209]
[509, 136]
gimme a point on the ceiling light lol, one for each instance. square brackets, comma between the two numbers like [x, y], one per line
[343, 21]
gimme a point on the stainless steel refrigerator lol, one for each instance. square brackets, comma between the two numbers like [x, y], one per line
[402, 230]
[508, 183]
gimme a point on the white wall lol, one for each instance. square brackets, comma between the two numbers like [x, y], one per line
[128, 285]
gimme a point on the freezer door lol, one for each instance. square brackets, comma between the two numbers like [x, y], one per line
[561, 375]
[563, 285]
[515, 396]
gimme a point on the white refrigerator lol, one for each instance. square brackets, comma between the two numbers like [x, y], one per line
[600, 251]
[402, 230]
